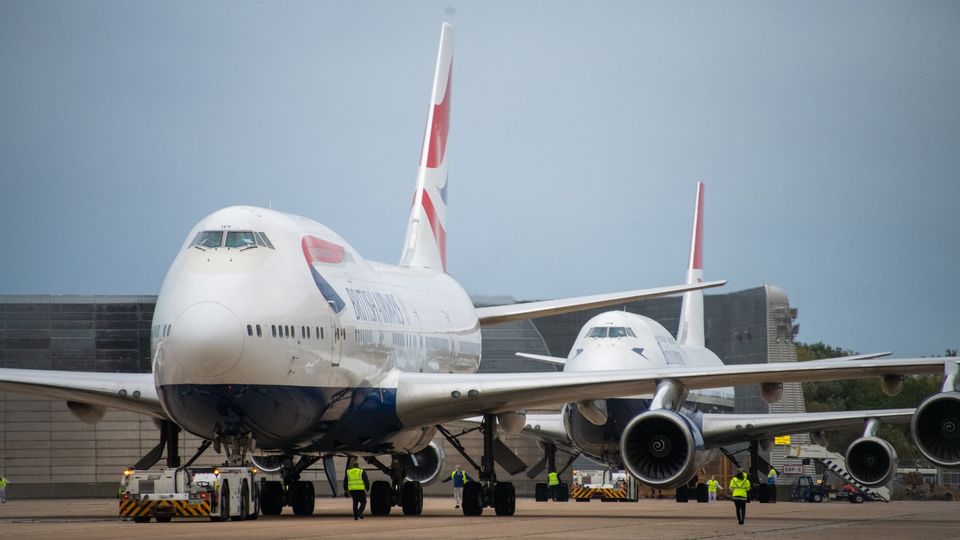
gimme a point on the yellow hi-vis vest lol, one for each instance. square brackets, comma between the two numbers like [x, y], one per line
[553, 479]
[712, 485]
[739, 487]
[355, 479]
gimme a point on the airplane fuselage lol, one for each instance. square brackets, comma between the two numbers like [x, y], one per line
[283, 331]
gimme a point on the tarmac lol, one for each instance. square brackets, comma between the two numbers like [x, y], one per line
[76, 519]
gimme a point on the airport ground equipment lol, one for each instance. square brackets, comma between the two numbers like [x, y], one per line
[836, 464]
[220, 493]
[805, 488]
[606, 485]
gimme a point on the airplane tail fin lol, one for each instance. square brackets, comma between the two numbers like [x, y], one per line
[426, 241]
[691, 331]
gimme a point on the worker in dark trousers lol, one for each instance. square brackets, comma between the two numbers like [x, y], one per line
[553, 484]
[357, 484]
[772, 483]
[739, 487]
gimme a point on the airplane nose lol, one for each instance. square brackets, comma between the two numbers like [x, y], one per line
[207, 339]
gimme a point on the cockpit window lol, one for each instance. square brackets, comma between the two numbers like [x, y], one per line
[611, 331]
[209, 239]
[266, 240]
[599, 331]
[241, 239]
[231, 239]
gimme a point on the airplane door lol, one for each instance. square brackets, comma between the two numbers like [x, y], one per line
[337, 338]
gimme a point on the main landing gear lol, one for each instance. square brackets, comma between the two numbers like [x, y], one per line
[487, 492]
[399, 491]
[291, 491]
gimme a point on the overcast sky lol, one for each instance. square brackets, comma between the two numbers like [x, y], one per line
[827, 133]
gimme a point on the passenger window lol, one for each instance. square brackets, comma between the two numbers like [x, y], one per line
[209, 239]
[240, 239]
[273, 330]
[249, 330]
[308, 332]
[598, 332]
[259, 334]
[266, 240]
[321, 333]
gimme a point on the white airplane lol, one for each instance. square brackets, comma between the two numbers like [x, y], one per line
[273, 336]
[662, 438]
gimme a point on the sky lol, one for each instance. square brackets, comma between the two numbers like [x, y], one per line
[827, 135]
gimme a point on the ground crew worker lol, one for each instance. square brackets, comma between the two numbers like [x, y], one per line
[3, 488]
[712, 486]
[553, 484]
[356, 483]
[459, 478]
[772, 482]
[739, 487]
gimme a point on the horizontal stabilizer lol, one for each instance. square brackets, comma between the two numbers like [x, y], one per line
[554, 360]
[532, 310]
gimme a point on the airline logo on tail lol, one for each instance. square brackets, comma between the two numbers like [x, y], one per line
[426, 242]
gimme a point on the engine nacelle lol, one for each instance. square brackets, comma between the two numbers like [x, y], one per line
[268, 464]
[871, 461]
[661, 448]
[936, 429]
[425, 465]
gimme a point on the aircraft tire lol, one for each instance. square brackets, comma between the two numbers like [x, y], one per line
[302, 498]
[244, 503]
[504, 499]
[224, 503]
[271, 498]
[411, 498]
[380, 493]
[563, 492]
[472, 499]
[541, 493]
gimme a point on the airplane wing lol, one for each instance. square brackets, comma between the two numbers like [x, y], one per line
[720, 429]
[531, 310]
[126, 391]
[430, 398]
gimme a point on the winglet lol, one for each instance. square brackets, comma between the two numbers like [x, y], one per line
[691, 330]
[426, 241]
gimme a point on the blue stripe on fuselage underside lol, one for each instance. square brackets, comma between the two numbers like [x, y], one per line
[287, 417]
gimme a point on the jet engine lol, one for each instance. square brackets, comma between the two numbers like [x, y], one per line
[661, 448]
[425, 465]
[871, 461]
[936, 428]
